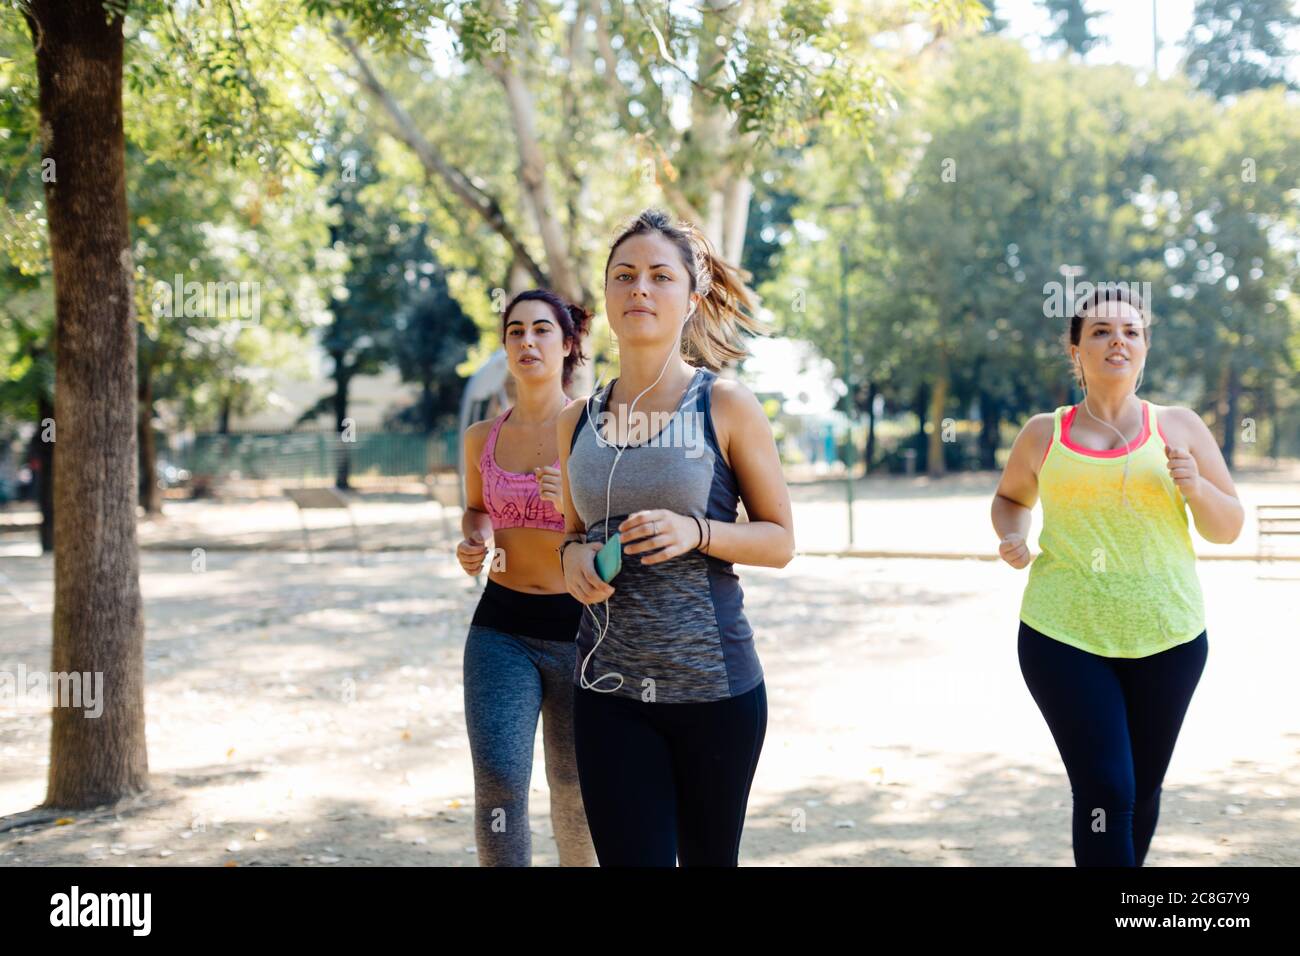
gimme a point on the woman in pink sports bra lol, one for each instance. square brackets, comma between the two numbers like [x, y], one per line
[520, 652]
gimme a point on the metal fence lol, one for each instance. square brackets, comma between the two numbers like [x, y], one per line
[308, 455]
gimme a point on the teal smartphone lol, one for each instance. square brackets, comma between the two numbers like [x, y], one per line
[609, 559]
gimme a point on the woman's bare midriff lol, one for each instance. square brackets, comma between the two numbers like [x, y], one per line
[530, 562]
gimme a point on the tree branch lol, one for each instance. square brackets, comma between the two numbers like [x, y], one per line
[479, 200]
[532, 173]
[642, 131]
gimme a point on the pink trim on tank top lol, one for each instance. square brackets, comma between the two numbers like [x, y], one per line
[515, 492]
[1068, 418]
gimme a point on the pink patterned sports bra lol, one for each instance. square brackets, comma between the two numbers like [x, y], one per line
[513, 498]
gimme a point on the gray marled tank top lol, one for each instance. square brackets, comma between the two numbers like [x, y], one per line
[677, 630]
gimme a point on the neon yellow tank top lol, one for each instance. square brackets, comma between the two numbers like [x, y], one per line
[1113, 578]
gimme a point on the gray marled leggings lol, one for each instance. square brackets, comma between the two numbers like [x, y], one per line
[509, 680]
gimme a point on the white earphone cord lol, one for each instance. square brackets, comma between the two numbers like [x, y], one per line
[1123, 497]
[602, 631]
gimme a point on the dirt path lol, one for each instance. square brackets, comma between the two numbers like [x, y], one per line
[312, 715]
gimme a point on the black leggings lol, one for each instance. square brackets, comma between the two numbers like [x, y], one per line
[667, 782]
[1115, 722]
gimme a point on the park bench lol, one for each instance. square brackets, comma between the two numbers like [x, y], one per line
[322, 499]
[1276, 521]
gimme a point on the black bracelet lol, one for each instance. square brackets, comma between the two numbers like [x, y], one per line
[700, 530]
[709, 543]
[560, 550]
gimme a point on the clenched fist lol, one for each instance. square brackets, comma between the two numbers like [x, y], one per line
[1014, 551]
[470, 553]
[548, 485]
[1183, 470]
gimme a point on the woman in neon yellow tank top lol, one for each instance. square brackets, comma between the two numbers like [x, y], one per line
[1112, 627]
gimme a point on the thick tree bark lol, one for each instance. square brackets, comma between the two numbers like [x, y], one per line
[98, 616]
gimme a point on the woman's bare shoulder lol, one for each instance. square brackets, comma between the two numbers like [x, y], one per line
[569, 417]
[568, 421]
[1039, 428]
[476, 435]
[734, 399]
[1178, 425]
[1034, 438]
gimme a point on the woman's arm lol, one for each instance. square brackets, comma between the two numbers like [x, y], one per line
[577, 561]
[1017, 492]
[767, 538]
[1201, 474]
[564, 426]
[475, 523]
[748, 446]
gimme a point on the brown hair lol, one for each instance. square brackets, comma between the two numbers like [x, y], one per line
[714, 334]
[573, 320]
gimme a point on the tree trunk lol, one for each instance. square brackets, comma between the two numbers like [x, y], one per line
[869, 454]
[1228, 410]
[427, 413]
[150, 493]
[344, 473]
[701, 164]
[1232, 424]
[921, 410]
[1275, 433]
[532, 179]
[990, 422]
[735, 217]
[934, 463]
[98, 626]
[484, 204]
[223, 416]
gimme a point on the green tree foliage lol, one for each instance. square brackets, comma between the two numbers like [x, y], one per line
[433, 337]
[992, 22]
[999, 173]
[1072, 25]
[1239, 45]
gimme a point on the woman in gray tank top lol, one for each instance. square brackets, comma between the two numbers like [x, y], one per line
[670, 711]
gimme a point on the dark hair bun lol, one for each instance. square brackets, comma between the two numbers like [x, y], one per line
[581, 319]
